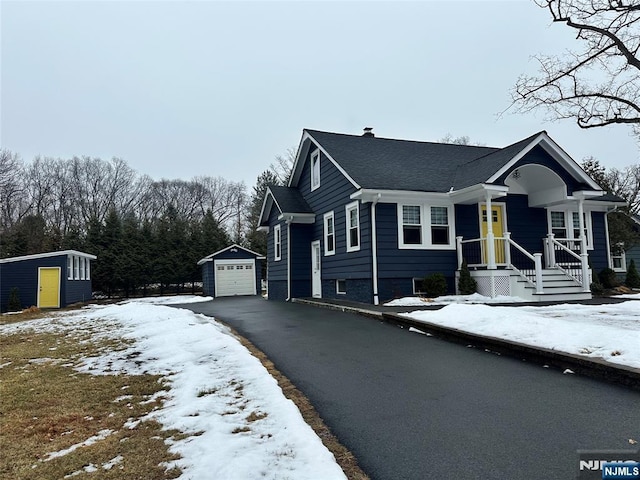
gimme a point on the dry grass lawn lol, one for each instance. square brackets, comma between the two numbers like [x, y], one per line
[46, 407]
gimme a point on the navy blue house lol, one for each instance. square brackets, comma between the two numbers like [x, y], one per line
[46, 280]
[365, 218]
[231, 271]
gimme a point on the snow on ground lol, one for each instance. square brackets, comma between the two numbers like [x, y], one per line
[249, 428]
[171, 300]
[610, 331]
[449, 299]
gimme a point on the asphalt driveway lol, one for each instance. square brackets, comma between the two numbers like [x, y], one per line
[415, 407]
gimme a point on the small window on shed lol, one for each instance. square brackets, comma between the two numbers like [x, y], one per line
[70, 268]
[341, 287]
[76, 268]
[220, 267]
[249, 267]
[82, 260]
[229, 267]
[87, 266]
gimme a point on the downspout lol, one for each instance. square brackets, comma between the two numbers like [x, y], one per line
[288, 222]
[606, 232]
[374, 250]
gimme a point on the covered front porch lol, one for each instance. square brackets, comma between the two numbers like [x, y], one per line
[545, 261]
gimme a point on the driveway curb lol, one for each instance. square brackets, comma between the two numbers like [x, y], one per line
[590, 367]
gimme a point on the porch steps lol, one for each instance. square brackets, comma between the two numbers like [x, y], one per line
[557, 287]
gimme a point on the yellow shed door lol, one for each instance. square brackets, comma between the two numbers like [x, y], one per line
[49, 287]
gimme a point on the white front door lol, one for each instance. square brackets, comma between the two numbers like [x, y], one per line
[316, 277]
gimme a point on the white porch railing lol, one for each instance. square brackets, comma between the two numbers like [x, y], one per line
[513, 256]
[569, 256]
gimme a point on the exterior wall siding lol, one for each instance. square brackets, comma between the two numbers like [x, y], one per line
[208, 283]
[598, 257]
[301, 238]
[277, 290]
[355, 267]
[397, 268]
[358, 290]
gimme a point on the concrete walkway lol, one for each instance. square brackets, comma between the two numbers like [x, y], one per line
[416, 407]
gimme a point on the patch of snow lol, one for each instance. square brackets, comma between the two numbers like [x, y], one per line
[101, 435]
[413, 329]
[630, 296]
[113, 462]
[610, 331]
[450, 299]
[170, 299]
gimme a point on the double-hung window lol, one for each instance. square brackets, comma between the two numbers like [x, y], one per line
[440, 226]
[315, 170]
[565, 225]
[353, 227]
[411, 225]
[277, 243]
[329, 234]
[425, 227]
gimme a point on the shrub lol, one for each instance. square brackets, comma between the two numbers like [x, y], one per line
[466, 284]
[633, 279]
[608, 278]
[434, 285]
[14, 300]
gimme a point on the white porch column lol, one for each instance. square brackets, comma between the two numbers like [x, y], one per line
[491, 244]
[584, 256]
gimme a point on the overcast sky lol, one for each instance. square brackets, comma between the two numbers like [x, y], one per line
[180, 89]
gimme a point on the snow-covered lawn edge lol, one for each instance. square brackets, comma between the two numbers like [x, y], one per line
[609, 332]
[239, 424]
[449, 299]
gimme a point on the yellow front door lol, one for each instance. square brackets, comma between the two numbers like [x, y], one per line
[498, 232]
[49, 287]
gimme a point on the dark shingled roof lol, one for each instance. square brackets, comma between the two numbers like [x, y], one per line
[389, 164]
[290, 200]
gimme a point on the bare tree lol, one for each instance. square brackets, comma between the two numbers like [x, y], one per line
[599, 84]
[282, 166]
[461, 140]
[13, 200]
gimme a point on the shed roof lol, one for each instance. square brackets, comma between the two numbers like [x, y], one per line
[48, 254]
[209, 258]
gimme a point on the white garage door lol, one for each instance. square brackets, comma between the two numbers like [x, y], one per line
[235, 277]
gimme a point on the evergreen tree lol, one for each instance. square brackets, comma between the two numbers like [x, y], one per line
[633, 279]
[257, 241]
[466, 284]
[109, 269]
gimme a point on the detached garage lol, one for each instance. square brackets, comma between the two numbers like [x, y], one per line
[45, 280]
[232, 271]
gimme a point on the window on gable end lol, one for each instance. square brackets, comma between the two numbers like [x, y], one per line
[277, 243]
[329, 234]
[353, 227]
[315, 170]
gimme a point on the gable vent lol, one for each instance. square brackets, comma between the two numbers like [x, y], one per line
[368, 132]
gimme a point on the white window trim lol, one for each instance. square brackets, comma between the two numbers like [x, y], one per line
[568, 221]
[348, 208]
[413, 284]
[425, 219]
[70, 267]
[327, 216]
[623, 259]
[315, 173]
[338, 291]
[82, 269]
[87, 265]
[76, 268]
[277, 243]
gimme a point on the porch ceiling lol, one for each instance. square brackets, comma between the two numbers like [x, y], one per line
[541, 184]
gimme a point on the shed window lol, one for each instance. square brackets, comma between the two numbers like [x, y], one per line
[87, 266]
[353, 227]
[76, 268]
[82, 263]
[315, 170]
[70, 268]
[277, 244]
[329, 234]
